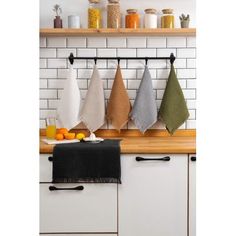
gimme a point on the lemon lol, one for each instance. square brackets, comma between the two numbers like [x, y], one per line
[80, 136]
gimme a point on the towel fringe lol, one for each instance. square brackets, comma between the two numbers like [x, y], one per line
[87, 180]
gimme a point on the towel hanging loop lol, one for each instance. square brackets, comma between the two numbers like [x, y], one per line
[95, 60]
[71, 58]
[146, 61]
[172, 58]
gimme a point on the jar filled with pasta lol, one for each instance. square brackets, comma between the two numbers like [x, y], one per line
[132, 19]
[94, 14]
[167, 19]
[113, 14]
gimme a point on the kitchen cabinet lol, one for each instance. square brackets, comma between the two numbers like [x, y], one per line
[192, 195]
[156, 197]
[92, 209]
[45, 168]
[153, 195]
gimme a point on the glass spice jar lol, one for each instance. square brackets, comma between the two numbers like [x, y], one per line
[94, 14]
[132, 19]
[150, 18]
[168, 19]
[113, 14]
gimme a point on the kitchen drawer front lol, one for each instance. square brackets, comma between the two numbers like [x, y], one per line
[79, 234]
[92, 210]
[45, 168]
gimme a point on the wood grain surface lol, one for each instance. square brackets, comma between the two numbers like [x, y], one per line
[183, 141]
[45, 32]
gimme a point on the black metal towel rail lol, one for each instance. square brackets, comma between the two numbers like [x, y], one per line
[72, 58]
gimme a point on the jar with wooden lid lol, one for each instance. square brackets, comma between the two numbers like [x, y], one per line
[113, 14]
[150, 18]
[167, 19]
[132, 19]
[94, 14]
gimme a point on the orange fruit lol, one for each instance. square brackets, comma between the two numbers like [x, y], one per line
[62, 131]
[59, 136]
[69, 136]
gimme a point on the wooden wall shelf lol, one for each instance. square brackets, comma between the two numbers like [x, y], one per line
[48, 32]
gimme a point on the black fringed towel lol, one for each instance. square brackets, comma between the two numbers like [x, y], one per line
[87, 162]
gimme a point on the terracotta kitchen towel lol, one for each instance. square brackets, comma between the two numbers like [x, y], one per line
[173, 111]
[119, 106]
[93, 110]
[144, 112]
[69, 104]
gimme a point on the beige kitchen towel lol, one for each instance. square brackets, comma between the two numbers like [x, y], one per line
[69, 104]
[119, 106]
[93, 110]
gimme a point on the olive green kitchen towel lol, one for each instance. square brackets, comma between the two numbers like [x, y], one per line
[93, 110]
[173, 111]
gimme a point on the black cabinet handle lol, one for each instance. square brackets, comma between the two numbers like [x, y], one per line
[50, 158]
[53, 188]
[167, 158]
[193, 158]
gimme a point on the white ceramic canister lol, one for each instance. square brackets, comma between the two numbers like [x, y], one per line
[150, 18]
[73, 21]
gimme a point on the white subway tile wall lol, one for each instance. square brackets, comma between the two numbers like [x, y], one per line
[54, 66]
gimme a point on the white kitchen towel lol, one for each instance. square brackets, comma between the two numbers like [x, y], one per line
[93, 110]
[144, 112]
[69, 104]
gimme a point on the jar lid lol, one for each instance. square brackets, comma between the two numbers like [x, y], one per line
[94, 1]
[150, 11]
[113, 1]
[167, 11]
[132, 11]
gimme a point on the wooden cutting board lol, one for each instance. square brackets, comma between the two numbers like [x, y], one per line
[54, 141]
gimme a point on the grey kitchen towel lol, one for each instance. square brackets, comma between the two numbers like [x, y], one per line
[144, 112]
[93, 110]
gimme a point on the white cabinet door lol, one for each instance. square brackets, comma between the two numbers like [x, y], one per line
[153, 196]
[192, 195]
[45, 166]
[92, 210]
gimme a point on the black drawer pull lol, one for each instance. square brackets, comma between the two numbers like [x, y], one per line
[50, 158]
[167, 158]
[193, 158]
[53, 188]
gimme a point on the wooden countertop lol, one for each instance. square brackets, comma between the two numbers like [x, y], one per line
[161, 142]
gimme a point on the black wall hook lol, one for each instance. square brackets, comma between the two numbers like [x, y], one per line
[118, 59]
[95, 60]
[71, 58]
[146, 61]
[172, 58]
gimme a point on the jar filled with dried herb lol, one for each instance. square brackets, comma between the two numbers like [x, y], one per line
[113, 14]
[94, 14]
[168, 19]
[132, 19]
